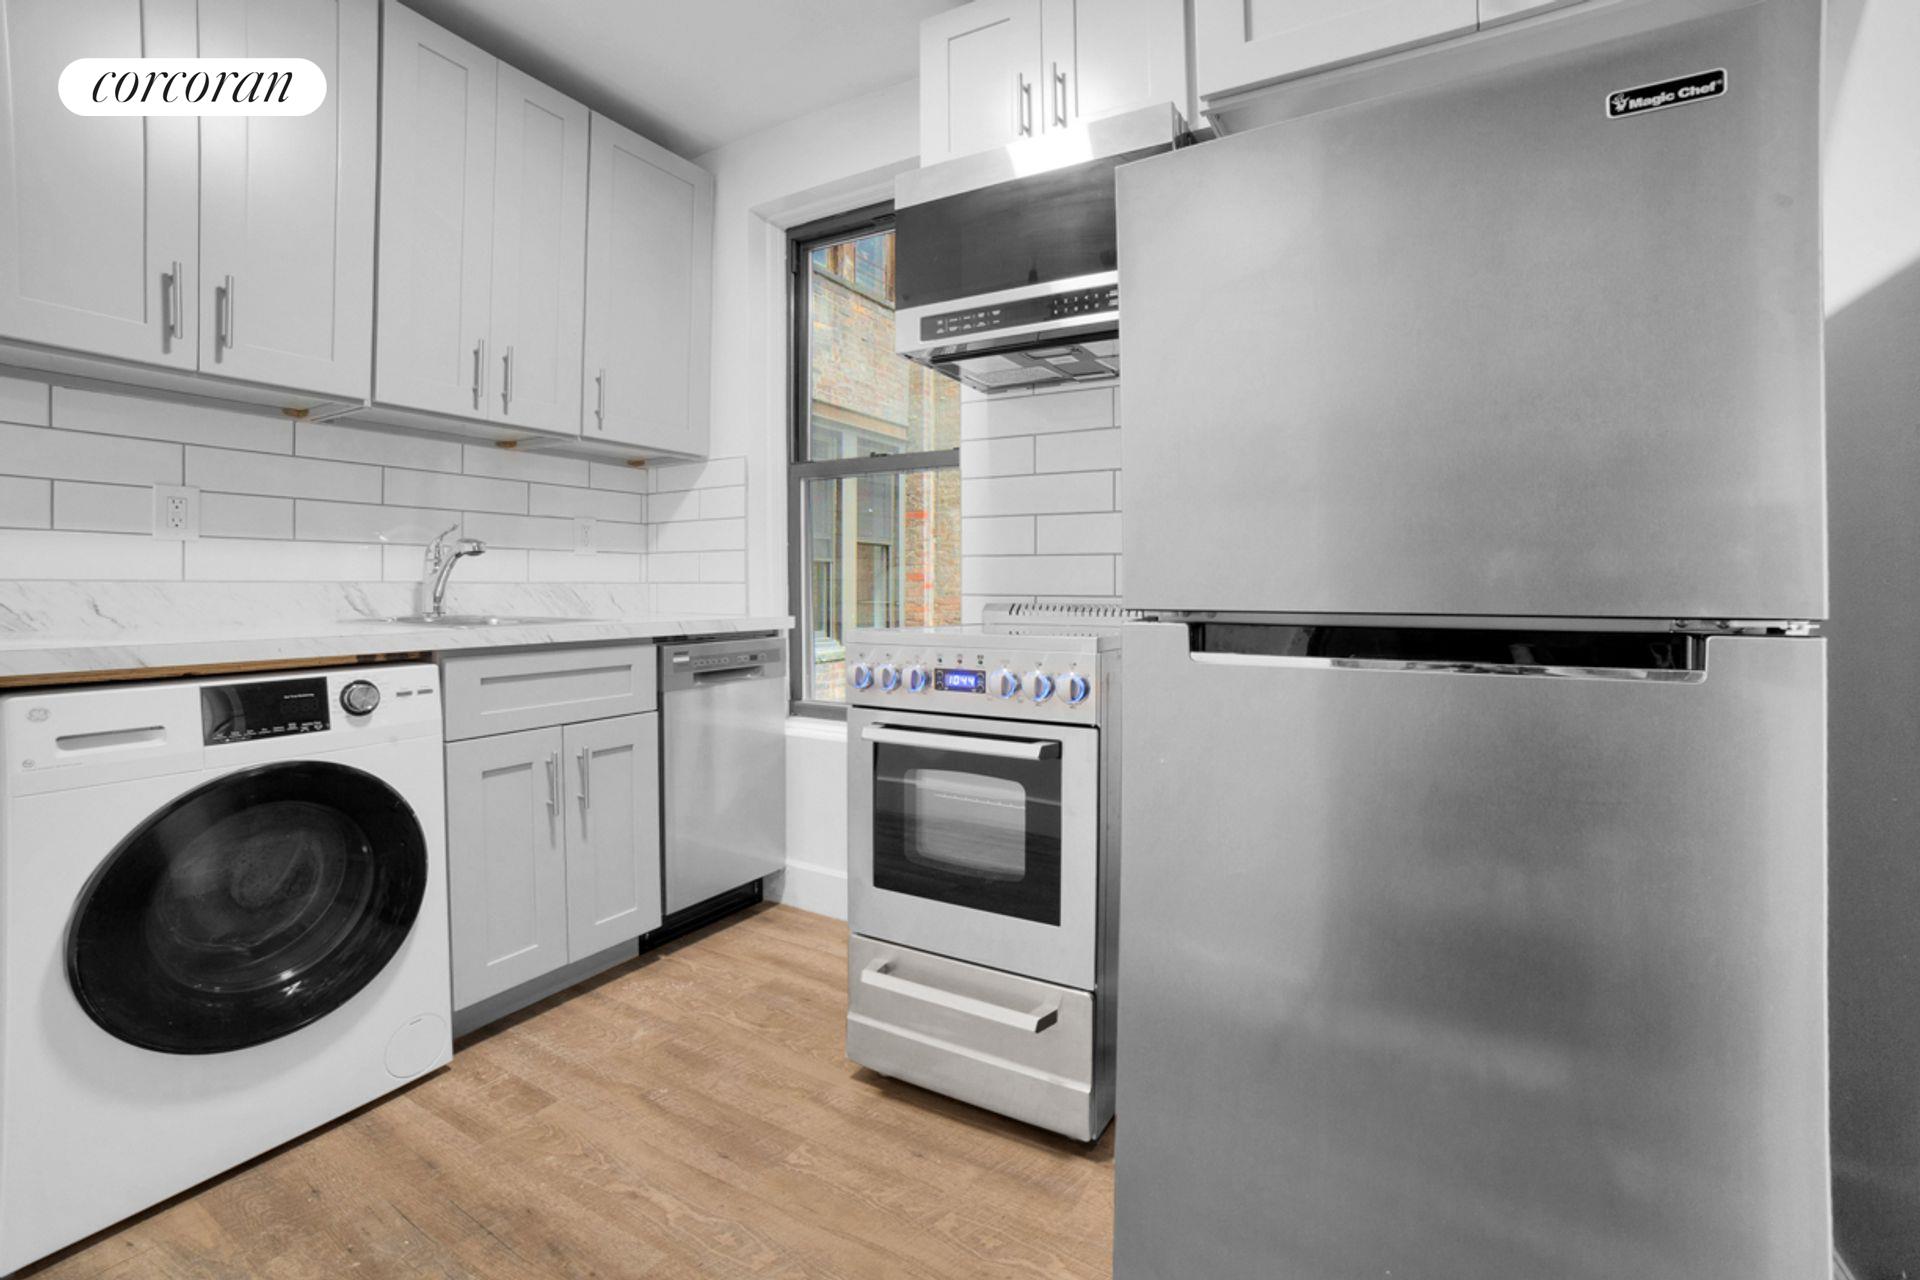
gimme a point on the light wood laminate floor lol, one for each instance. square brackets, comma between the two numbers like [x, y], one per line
[690, 1113]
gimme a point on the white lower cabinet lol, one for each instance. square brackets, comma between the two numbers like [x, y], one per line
[506, 862]
[613, 831]
[553, 848]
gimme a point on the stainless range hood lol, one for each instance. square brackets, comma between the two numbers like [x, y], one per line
[1006, 272]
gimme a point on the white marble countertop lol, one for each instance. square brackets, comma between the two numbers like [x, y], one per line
[116, 632]
[361, 638]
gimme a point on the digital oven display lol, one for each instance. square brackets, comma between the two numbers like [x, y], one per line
[959, 680]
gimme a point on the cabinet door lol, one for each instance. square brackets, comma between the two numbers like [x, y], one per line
[613, 831]
[506, 861]
[539, 255]
[649, 265]
[436, 219]
[1241, 43]
[286, 203]
[98, 231]
[979, 78]
[1106, 56]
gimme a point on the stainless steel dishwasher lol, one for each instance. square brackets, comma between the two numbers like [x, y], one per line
[723, 711]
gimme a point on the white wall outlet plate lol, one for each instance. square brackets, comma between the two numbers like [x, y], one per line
[176, 513]
[583, 540]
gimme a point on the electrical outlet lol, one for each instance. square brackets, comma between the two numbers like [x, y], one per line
[176, 512]
[583, 543]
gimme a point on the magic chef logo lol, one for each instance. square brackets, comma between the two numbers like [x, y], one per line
[1668, 93]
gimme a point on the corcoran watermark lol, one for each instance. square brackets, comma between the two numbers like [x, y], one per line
[192, 87]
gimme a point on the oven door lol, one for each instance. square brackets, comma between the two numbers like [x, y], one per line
[976, 839]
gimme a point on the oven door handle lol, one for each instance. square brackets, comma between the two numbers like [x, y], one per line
[880, 974]
[1006, 748]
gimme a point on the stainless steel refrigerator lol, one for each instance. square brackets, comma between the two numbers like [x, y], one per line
[1475, 903]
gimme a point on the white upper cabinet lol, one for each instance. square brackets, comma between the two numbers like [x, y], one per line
[539, 254]
[436, 219]
[1242, 43]
[98, 230]
[232, 246]
[979, 78]
[1107, 56]
[286, 203]
[483, 222]
[649, 265]
[995, 71]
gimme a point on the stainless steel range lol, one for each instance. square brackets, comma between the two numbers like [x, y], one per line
[983, 867]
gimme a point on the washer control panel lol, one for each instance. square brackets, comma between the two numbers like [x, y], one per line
[985, 676]
[264, 709]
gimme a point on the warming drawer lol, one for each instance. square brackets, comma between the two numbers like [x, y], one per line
[1014, 1045]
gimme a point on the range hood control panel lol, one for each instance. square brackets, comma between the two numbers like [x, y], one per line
[1021, 312]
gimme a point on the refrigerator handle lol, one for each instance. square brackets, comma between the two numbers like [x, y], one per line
[1643, 656]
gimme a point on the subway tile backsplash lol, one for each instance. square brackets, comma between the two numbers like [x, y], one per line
[291, 502]
[1039, 498]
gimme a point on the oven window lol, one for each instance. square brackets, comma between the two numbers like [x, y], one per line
[974, 831]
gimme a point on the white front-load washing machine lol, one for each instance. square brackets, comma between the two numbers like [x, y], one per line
[223, 922]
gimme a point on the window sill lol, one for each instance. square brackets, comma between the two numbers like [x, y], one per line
[816, 728]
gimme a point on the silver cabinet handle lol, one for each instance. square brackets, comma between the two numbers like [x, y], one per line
[600, 400]
[1059, 96]
[583, 760]
[223, 316]
[880, 974]
[964, 743]
[1025, 102]
[506, 381]
[479, 368]
[171, 322]
[553, 786]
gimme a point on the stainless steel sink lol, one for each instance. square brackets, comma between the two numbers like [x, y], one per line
[472, 620]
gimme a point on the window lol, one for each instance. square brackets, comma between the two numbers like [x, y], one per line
[876, 451]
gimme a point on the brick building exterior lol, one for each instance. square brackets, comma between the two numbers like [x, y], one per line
[885, 549]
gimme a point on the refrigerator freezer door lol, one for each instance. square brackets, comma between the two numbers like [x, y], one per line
[1488, 349]
[1459, 975]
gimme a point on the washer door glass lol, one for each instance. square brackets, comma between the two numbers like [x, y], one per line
[247, 908]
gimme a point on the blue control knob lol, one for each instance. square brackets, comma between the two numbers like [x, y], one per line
[1042, 685]
[889, 678]
[1005, 683]
[1078, 689]
[917, 680]
[862, 676]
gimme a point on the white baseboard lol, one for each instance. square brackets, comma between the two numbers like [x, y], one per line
[821, 890]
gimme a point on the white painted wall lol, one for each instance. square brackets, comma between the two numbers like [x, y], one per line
[1872, 145]
[810, 167]
[1872, 243]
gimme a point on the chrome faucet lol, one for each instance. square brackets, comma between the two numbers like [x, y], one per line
[440, 561]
